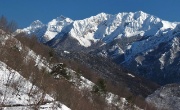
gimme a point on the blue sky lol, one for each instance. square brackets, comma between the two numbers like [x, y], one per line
[26, 11]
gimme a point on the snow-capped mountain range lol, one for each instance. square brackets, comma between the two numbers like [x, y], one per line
[127, 38]
[104, 27]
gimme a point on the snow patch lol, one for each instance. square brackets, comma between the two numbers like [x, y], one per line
[39, 61]
[131, 75]
[67, 52]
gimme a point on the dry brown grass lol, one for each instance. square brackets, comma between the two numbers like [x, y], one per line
[62, 90]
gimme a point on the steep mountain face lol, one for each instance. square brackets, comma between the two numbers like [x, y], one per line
[156, 58]
[140, 42]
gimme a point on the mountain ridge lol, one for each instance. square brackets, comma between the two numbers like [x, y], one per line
[103, 27]
[126, 38]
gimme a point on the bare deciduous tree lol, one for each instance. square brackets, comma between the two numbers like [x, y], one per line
[3, 22]
[7, 26]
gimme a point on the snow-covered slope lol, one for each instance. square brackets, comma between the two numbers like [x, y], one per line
[17, 93]
[82, 83]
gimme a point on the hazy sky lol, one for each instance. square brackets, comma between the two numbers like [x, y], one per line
[26, 11]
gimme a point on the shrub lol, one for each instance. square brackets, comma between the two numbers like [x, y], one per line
[60, 69]
[7, 26]
[100, 86]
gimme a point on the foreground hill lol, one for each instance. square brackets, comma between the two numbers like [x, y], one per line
[19, 93]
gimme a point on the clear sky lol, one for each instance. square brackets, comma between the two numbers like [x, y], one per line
[26, 11]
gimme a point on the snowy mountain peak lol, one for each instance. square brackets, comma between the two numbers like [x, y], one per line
[107, 27]
[104, 27]
[63, 18]
[101, 15]
[36, 24]
[33, 28]
[60, 21]
[140, 13]
[56, 26]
